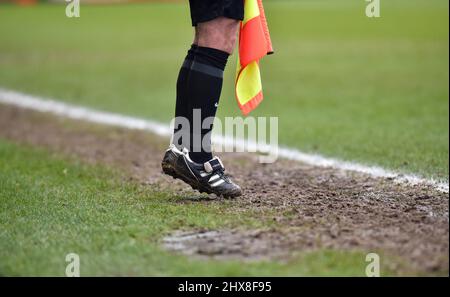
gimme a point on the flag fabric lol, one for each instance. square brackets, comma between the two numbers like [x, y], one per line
[254, 43]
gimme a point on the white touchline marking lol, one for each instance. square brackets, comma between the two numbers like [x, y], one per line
[113, 119]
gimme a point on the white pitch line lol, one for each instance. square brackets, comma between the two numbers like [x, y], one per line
[113, 119]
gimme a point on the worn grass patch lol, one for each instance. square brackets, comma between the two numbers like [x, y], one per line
[50, 207]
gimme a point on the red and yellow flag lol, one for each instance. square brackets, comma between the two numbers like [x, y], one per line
[254, 43]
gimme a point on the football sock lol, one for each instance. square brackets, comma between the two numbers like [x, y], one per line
[198, 92]
[182, 101]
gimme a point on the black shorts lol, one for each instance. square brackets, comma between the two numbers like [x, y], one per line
[206, 10]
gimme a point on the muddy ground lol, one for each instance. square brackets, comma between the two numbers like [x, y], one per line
[313, 207]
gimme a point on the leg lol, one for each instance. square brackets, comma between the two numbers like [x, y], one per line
[198, 91]
[200, 83]
[215, 40]
[220, 33]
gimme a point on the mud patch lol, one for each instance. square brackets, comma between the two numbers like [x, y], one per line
[254, 245]
[311, 208]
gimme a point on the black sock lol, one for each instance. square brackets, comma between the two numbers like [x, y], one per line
[182, 103]
[203, 90]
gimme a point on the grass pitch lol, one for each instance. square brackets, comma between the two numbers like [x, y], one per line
[51, 206]
[343, 85]
[322, 222]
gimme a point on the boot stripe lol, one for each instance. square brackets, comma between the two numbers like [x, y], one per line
[213, 178]
[217, 183]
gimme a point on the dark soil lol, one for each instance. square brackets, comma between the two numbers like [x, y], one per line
[312, 207]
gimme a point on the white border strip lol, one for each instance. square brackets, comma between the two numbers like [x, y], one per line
[112, 119]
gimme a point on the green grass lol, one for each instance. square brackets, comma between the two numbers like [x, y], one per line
[343, 85]
[50, 207]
